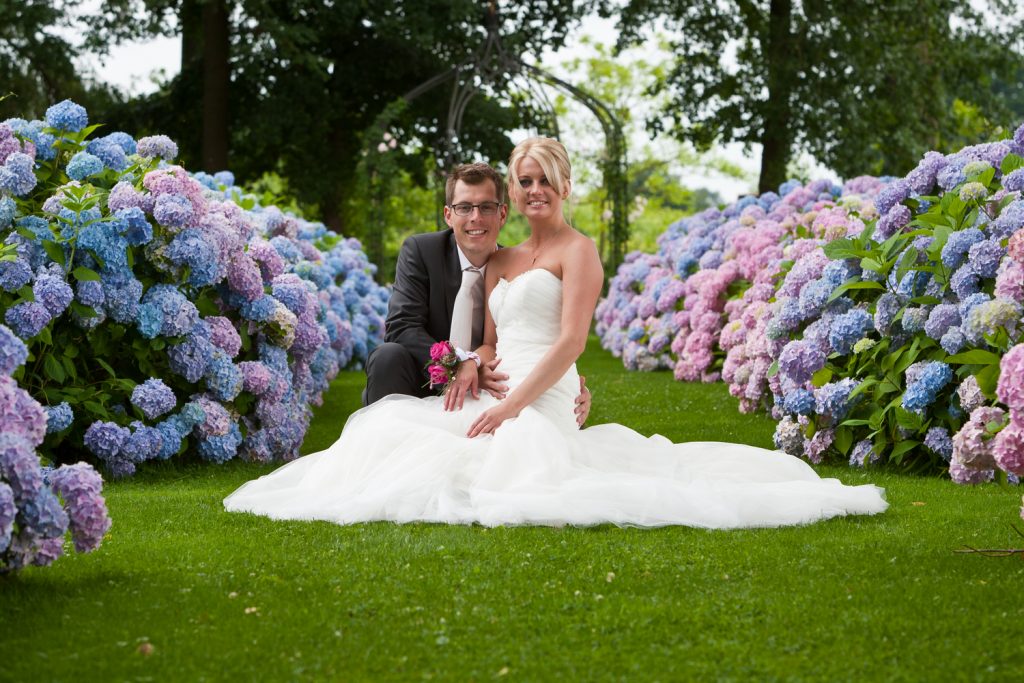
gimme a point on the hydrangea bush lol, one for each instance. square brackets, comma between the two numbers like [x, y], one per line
[880, 322]
[166, 313]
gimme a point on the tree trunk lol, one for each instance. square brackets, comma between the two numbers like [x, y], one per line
[190, 16]
[216, 77]
[776, 137]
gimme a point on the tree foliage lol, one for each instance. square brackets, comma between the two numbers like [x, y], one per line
[865, 87]
[309, 79]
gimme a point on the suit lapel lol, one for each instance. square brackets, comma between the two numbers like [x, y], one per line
[452, 276]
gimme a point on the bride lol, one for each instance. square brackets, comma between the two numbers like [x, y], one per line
[522, 459]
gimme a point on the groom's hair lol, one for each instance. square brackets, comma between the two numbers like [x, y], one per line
[473, 174]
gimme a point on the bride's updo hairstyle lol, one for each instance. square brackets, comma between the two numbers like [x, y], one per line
[550, 154]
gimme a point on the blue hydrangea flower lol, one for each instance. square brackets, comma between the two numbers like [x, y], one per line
[90, 293]
[67, 116]
[260, 310]
[832, 401]
[950, 177]
[223, 378]
[179, 314]
[123, 140]
[1010, 220]
[958, 244]
[190, 358]
[914, 319]
[122, 297]
[145, 443]
[14, 274]
[965, 281]
[953, 340]
[799, 402]
[226, 178]
[59, 417]
[849, 328]
[108, 152]
[923, 392]
[43, 516]
[1014, 180]
[153, 398]
[8, 209]
[220, 449]
[137, 229]
[83, 165]
[172, 430]
[891, 195]
[27, 319]
[192, 248]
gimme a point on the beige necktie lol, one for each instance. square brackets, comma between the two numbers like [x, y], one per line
[468, 308]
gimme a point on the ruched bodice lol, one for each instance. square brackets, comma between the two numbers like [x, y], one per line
[405, 459]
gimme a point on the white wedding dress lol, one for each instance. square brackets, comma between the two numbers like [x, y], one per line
[405, 459]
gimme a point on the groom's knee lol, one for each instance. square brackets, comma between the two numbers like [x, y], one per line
[391, 369]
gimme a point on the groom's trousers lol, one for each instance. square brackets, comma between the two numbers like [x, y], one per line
[391, 369]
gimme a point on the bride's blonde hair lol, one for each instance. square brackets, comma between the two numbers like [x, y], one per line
[550, 154]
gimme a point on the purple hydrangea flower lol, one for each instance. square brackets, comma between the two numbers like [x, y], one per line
[153, 398]
[90, 293]
[172, 210]
[19, 465]
[13, 351]
[17, 175]
[799, 361]
[938, 441]
[217, 420]
[7, 512]
[255, 377]
[985, 256]
[105, 439]
[223, 335]
[42, 515]
[941, 319]
[863, 454]
[53, 293]
[886, 308]
[157, 146]
[80, 486]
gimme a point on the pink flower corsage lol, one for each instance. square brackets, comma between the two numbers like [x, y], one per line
[442, 365]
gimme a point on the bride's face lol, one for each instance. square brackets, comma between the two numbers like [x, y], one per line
[536, 198]
[477, 232]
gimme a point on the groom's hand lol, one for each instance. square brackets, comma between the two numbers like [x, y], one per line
[492, 381]
[464, 382]
[583, 402]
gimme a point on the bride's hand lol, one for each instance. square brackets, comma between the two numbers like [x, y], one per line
[492, 418]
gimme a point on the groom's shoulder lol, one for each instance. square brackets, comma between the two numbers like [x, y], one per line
[430, 240]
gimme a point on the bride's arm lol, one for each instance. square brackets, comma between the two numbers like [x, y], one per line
[466, 380]
[582, 277]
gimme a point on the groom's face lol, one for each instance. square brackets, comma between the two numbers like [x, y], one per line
[476, 234]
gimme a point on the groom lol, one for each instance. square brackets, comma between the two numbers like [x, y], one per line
[439, 295]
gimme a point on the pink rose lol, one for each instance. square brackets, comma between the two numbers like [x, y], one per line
[440, 349]
[438, 375]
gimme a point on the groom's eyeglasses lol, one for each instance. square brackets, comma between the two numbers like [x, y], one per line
[465, 209]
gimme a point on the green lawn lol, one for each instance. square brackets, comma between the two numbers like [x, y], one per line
[181, 590]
